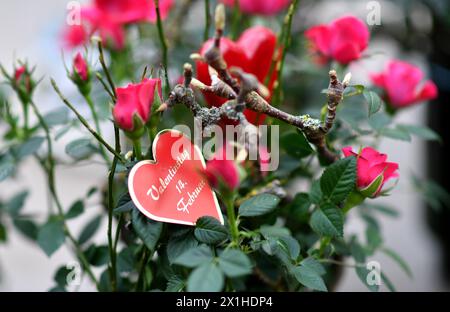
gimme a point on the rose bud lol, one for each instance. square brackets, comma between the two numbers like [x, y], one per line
[401, 83]
[80, 74]
[253, 53]
[266, 7]
[23, 83]
[343, 40]
[135, 104]
[373, 171]
[223, 172]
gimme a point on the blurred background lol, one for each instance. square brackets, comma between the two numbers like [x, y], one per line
[416, 31]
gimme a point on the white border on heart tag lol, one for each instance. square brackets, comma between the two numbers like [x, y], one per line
[154, 162]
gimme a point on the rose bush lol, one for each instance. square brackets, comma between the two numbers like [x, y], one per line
[276, 235]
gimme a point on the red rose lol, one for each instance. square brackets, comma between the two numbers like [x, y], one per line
[372, 170]
[222, 170]
[253, 52]
[108, 18]
[266, 7]
[401, 83]
[18, 73]
[80, 67]
[343, 40]
[135, 101]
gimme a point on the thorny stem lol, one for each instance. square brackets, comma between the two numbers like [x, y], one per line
[105, 69]
[111, 244]
[86, 124]
[51, 182]
[229, 203]
[140, 285]
[285, 41]
[97, 127]
[162, 39]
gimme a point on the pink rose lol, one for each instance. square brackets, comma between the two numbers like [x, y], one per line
[135, 101]
[80, 67]
[372, 170]
[131, 11]
[343, 40]
[222, 170]
[18, 73]
[401, 83]
[266, 7]
[74, 36]
[109, 17]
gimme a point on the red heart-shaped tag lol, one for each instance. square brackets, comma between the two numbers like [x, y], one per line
[172, 188]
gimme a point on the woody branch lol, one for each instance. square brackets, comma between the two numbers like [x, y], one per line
[245, 92]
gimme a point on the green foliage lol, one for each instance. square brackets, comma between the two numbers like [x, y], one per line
[328, 220]
[206, 278]
[89, 230]
[310, 276]
[374, 101]
[195, 256]
[258, 205]
[296, 145]
[80, 149]
[208, 230]
[234, 263]
[147, 230]
[338, 180]
[51, 236]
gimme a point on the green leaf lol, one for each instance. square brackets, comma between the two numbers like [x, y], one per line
[26, 227]
[339, 179]
[359, 254]
[258, 205]
[7, 168]
[379, 121]
[234, 263]
[362, 273]
[195, 256]
[388, 282]
[296, 145]
[206, 278]
[147, 230]
[399, 260]
[315, 195]
[328, 220]
[29, 147]
[308, 277]
[125, 204]
[373, 237]
[3, 234]
[373, 100]
[89, 230]
[75, 210]
[97, 255]
[396, 134]
[80, 149]
[125, 260]
[421, 132]
[175, 284]
[51, 236]
[56, 117]
[208, 230]
[15, 204]
[313, 265]
[60, 277]
[177, 245]
[299, 207]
